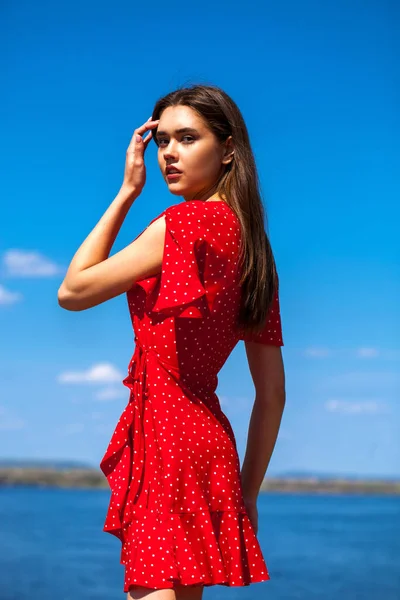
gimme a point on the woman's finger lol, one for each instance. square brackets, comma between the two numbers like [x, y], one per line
[146, 141]
[140, 131]
[146, 127]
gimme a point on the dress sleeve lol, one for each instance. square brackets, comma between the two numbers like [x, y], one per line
[181, 292]
[272, 332]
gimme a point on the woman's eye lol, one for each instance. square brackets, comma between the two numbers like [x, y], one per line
[189, 139]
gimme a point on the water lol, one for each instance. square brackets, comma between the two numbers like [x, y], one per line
[316, 547]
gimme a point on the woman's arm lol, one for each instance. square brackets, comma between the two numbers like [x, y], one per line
[88, 287]
[97, 246]
[267, 370]
[92, 277]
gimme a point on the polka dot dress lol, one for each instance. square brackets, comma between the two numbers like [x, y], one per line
[172, 463]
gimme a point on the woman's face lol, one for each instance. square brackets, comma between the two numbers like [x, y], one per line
[186, 143]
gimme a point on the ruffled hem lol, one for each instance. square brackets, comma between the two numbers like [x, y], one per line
[161, 549]
[178, 290]
[205, 547]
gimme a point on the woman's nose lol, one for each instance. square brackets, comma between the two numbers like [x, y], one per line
[170, 150]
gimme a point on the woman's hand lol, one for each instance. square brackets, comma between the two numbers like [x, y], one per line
[135, 169]
[252, 512]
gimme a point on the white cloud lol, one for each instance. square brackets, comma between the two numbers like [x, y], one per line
[367, 352]
[234, 402]
[96, 415]
[318, 352]
[21, 263]
[12, 424]
[108, 394]
[100, 373]
[7, 297]
[108, 429]
[284, 434]
[223, 400]
[356, 407]
[72, 428]
[360, 382]
[9, 422]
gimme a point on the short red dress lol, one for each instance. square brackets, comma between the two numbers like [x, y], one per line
[172, 463]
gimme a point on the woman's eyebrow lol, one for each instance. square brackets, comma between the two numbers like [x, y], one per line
[181, 130]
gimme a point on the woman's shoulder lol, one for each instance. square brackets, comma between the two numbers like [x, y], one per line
[213, 213]
[213, 222]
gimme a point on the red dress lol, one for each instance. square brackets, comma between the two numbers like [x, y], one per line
[172, 463]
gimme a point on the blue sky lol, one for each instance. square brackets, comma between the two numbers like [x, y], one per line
[318, 86]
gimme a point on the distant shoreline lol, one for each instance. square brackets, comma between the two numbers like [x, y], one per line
[331, 486]
[90, 478]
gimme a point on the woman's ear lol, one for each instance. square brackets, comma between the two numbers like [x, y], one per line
[228, 151]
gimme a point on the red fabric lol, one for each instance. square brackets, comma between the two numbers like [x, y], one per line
[172, 463]
[272, 332]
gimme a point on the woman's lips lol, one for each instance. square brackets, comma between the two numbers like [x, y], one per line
[172, 176]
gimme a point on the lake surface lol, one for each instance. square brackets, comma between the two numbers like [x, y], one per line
[316, 547]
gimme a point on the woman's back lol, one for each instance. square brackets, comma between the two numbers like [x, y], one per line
[189, 311]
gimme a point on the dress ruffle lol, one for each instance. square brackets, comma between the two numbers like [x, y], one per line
[178, 289]
[124, 460]
[208, 548]
[161, 548]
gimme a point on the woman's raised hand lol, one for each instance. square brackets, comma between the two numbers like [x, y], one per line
[135, 169]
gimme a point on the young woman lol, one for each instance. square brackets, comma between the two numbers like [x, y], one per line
[198, 279]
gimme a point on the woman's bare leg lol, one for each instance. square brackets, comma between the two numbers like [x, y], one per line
[189, 592]
[138, 591]
[179, 592]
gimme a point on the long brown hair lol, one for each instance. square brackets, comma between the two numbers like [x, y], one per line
[239, 185]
